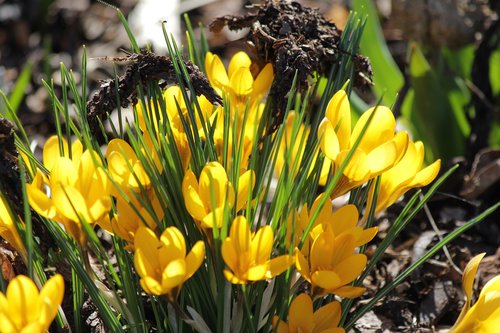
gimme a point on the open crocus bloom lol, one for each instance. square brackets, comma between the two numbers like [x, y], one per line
[79, 188]
[379, 149]
[162, 263]
[343, 219]
[301, 318]
[484, 315]
[238, 82]
[214, 181]
[247, 254]
[332, 263]
[24, 309]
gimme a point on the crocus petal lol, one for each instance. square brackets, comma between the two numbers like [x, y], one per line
[263, 81]
[257, 272]
[20, 293]
[51, 151]
[70, 203]
[279, 264]
[246, 183]
[302, 265]
[300, 315]
[328, 140]
[238, 60]
[327, 280]
[262, 244]
[382, 158]
[242, 82]
[380, 130]
[229, 254]
[327, 316]
[194, 259]
[349, 291]
[350, 268]
[40, 202]
[173, 274]
[338, 112]
[151, 286]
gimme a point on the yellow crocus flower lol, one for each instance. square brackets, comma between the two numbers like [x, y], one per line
[247, 254]
[302, 319]
[484, 315]
[238, 81]
[24, 309]
[213, 180]
[379, 149]
[162, 263]
[336, 221]
[332, 263]
[8, 230]
[78, 188]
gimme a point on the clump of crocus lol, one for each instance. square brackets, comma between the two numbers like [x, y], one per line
[248, 254]
[8, 230]
[379, 149]
[162, 263]
[207, 197]
[484, 315]
[76, 190]
[24, 309]
[302, 319]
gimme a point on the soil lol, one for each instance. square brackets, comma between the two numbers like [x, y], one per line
[428, 301]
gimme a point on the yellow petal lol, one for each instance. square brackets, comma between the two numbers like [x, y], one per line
[51, 151]
[344, 218]
[173, 274]
[192, 199]
[20, 294]
[246, 183]
[240, 235]
[426, 175]
[257, 272]
[338, 113]
[213, 182]
[194, 259]
[242, 82]
[327, 316]
[366, 236]
[382, 158]
[40, 202]
[279, 264]
[174, 241]
[263, 81]
[262, 244]
[327, 280]
[321, 250]
[300, 314]
[218, 73]
[470, 274]
[328, 140]
[152, 286]
[229, 254]
[146, 241]
[70, 203]
[349, 291]
[238, 60]
[380, 130]
[63, 172]
[302, 265]
[351, 267]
